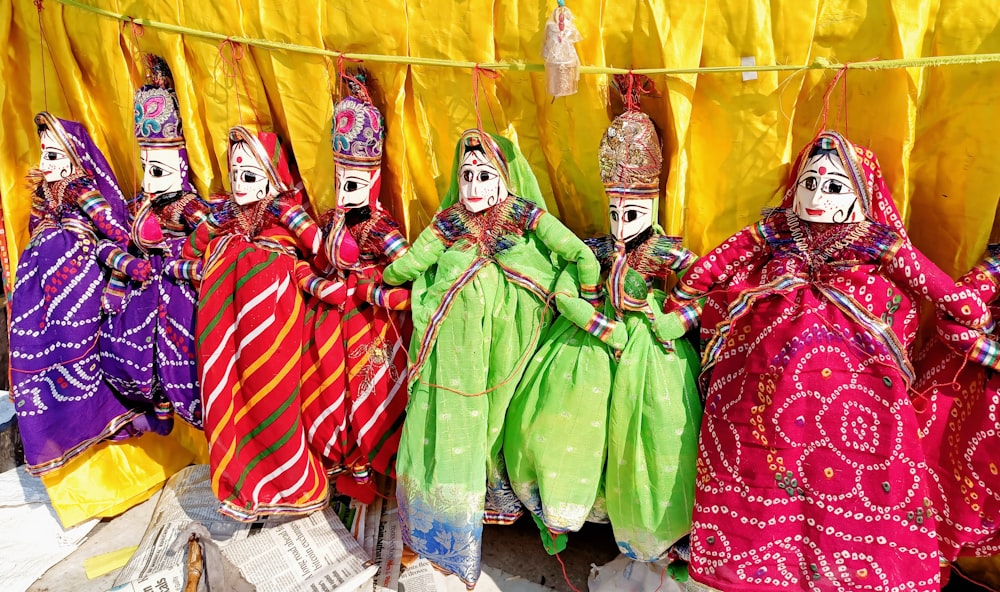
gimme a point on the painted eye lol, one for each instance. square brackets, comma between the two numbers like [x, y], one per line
[467, 176]
[484, 176]
[809, 183]
[157, 172]
[614, 215]
[631, 215]
[51, 156]
[351, 186]
[835, 187]
[248, 177]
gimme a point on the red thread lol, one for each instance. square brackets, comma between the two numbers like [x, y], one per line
[922, 394]
[514, 372]
[42, 42]
[565, 575]
[233, 69]
[136, 31]
[632, 86]
[343, 77]
[477, 73]
[663, 572]
[825, 112]
[962, 575]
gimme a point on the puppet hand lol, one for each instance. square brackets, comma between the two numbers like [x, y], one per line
[669, 327]
[619, 336]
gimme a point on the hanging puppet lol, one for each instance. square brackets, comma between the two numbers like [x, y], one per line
[959, 424]
[356, 424]
[78, 234]
[562, 65]
[558, 425]
[147, 342]
[482, 271]
[810, 472]
[250, 336]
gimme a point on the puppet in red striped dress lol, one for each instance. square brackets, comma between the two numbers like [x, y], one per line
[250, 332]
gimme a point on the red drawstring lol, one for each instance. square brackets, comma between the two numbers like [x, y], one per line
[565, 575]
[137, 31]
[343, 77]
[478, 72]
[231, 68]
[631, 86]
[825, 112]
[42, 42]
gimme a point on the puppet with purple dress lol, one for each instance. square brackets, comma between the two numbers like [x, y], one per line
[78, 233]
[147, 341]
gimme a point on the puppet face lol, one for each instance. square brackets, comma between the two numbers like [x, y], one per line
[248, 178]
[480, 185]
[356, 187]
[55, 163]
[161, 170]
[824, 192]
[630, 217]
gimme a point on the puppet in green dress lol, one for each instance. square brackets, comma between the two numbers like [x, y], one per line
[581, 401]
[483, 274]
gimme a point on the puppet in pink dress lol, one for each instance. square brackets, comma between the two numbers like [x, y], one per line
[960, 425]
[810, 472]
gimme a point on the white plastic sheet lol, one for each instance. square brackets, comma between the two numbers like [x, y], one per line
[33, 540]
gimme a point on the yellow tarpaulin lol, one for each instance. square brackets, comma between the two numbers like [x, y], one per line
[728, 137]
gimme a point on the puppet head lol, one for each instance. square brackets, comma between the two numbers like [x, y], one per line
[159, 132]
[358, 135]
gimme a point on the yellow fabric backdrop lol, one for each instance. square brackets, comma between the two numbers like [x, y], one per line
[727, 141]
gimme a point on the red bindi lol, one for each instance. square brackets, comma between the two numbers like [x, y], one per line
[822, 170]
[239, 159]
[474, 161]
[43, 146]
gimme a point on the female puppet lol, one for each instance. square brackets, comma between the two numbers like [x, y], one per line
[78, 232]
[558, 426]
[810, 473]
[250, 330]
[960, 427]
[147, 343]
[484, 269]
[361, 239]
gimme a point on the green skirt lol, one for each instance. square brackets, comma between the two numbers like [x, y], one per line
[653, 430]
[450, 468]
[556, 432]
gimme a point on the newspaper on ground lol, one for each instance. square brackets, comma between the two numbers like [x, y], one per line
[40, 541]
[383, 541]
[315, 553]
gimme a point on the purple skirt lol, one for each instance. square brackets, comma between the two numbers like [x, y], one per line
[63, 403]
[148, 348]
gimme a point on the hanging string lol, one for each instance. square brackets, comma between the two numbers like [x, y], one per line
[232, 68]
[663, 573]
[921, 395]
[824, 114]
[477, 73]
[42, 43]
[820, 63]
[632, 86]
[344, 78]
[515, 372]
[843, 104]
[137, 31]
[138, 57]
[565, 575]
